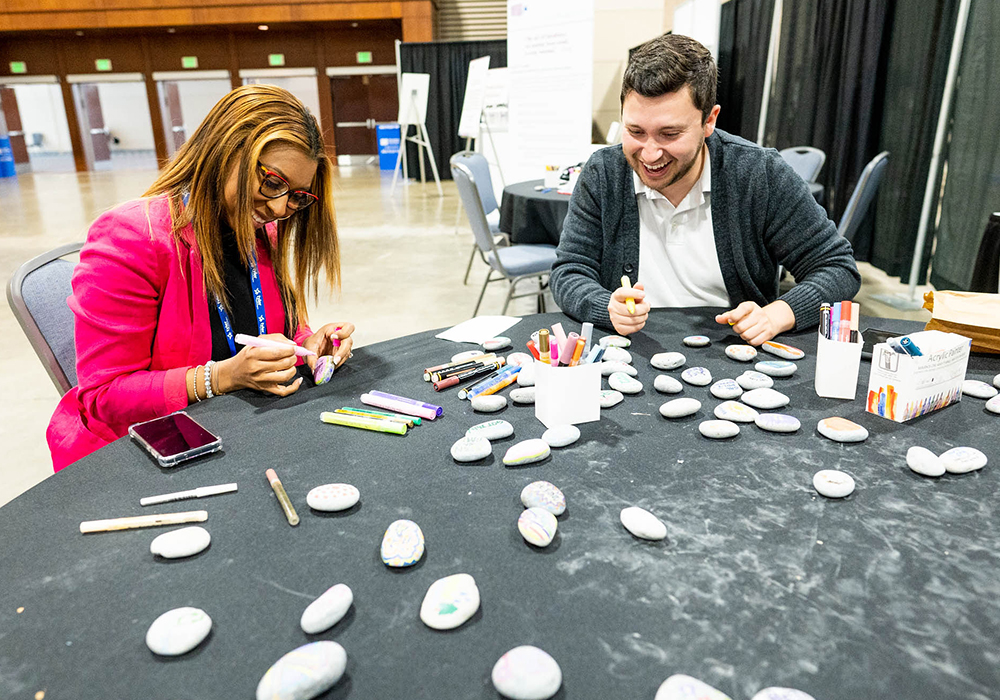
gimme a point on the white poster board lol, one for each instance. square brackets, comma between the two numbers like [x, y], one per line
[699, 19]
[494, 139]
[413, 98]
[475, 93]
[550, 57]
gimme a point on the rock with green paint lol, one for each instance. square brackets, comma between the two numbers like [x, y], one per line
[450, 601]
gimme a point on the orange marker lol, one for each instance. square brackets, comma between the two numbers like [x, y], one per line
[578, 352]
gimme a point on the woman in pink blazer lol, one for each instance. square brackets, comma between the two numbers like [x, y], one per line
[227, 240]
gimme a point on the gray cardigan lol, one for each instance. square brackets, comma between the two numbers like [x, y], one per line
[763, 216]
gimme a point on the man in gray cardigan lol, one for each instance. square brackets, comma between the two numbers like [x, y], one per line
[694, 216]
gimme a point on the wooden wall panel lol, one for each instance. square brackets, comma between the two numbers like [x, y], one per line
[124, 51]
[39, 54]
[212, 49]
[299, 48]
[342, 45]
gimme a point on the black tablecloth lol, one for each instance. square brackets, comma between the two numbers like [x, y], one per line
[892, 592]
[530, 216]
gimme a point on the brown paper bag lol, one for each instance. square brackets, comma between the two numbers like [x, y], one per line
[972, 314]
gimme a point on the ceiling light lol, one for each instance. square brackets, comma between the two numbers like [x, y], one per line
[262, 27]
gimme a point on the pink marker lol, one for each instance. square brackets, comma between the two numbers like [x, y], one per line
[336, 341]
[566, 351]
[554, 354]
[255, 342]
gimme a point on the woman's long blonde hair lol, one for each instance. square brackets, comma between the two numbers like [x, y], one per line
[232, 136]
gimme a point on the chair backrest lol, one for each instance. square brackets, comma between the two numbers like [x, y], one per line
[863, 195]
[614, 134]
[806, 161]
[37, 295]
[470, 192]
[480, 169]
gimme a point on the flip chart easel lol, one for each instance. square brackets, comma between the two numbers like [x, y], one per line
[413, 112]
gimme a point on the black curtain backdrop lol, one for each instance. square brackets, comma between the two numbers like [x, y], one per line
[918, 64]
[447, 62]
[972, 188]
[829, 89]
[744, 34]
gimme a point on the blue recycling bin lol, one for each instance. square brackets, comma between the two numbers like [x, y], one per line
[388, 145]
[6, 158]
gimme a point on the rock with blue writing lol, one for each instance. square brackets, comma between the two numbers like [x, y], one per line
[609, 368]
[736, 412]
[960, 460]
[697, 376]
[665, 384]
[726, 389]
[526, 452]
[785, 352]
[498, 343]
[537, 526]
[450, 601]
[924, 462]
[775, 693]
[526, 376]
[491, 430]
[776, 368]
[667, 360]
[613, 354]
[323, 369]
[751, 380]
[184, 542]
[842, 430]
[718, 429]
[833, 483]
[523, 396]
[333, 497]
[304, 673]
[993, 405]
[561, 435]
[619, 381]
[402, 544]
[178, 631]
[643, 524]
[526, 673]
[679, 408]
[490, 403]
[764, 399]
[327, 610]
[610, 397]
[544, 495]
[462, 356]
[614, 341]
[471, 449]
[697, 341]
[741, 353]
[777, 422]
[978, 389]
[680, 687]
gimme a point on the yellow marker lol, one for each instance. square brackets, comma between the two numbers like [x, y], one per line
[629, 301]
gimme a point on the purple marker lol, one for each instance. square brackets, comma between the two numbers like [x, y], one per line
[429, 406]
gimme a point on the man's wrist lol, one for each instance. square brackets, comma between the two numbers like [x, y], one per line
[781, 316]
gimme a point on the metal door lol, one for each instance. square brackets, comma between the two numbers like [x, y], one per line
[15, 131]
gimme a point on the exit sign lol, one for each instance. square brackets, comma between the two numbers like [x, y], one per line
[364, 56]
[102, 64]
[189, 61]
[18, 67]
[276, 59]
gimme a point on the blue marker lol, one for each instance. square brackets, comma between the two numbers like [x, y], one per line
[835, 322]
[910, 347]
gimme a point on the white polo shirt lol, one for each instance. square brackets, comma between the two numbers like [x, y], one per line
[678, 263]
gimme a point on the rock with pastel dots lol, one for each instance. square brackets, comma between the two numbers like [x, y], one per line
[741, 353]
[333, 497]
[697, 341]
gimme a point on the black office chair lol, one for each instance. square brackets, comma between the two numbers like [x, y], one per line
[863, 195]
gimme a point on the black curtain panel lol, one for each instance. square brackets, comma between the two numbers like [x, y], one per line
[447, 62]
[918, 64]
[744, 36]
[972, 185]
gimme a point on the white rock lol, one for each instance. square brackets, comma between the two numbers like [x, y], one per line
[776, 368]
[491, 430]
[523, 396]
[726, 389]
[450, 601]
[526, 377]
[178, 631]
[832, 483]
[537, 526]
[777, 422]
[544, 495]
[471, 449]
[923, 461]
[679, 408]
[609, 368]
[402, 544]
[526, 452]
[697, 341]
[304, 673]
[665, 384]
[718, 429]
[490, 403]
[619, 381]
[993, 405]
[614, 341]
[643, 524]
[181, 543]
[960, 460]
[785, 352]
[610, 397]
[741, 353]
[333, 497]
[520, 359]
[327, 610]
[996, 381]
[527, 673]
[736, 412]
[613, 354]
[561, 435]
[498, 343]
[978, 389]
[751, 380]
[465, 355]
[667, 360]
[842, 430]
[764, 399]
[680, 687]
[697, 376]
[782, 694]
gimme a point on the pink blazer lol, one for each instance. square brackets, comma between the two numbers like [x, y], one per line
[141, 322]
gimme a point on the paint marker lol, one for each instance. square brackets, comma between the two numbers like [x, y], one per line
[845, 321]
[286, 503]
[578, 352]
[255, 342]
[554, 352]
[377, 415]
[200, 492]
[533, 349]
[587, 332]
[336, 341]
[468, 374]
[559, 335]
[494, 384]
[437, 409]
[467, 361]
[543, 346]
[373, 423]
[855, 315]
[568, 348]
[463, 368]
[835, 322]
[629, 301]
[192, 516]
[592, 355]
[824, 319]
[911, 348]
[397, 406]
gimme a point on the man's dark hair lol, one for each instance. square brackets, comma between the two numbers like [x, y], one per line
[668, 63]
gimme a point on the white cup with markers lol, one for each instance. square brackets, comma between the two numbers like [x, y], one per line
[567, 392]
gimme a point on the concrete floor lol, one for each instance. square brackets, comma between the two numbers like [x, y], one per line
[402, 261]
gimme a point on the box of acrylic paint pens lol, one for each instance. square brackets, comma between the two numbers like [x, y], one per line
[916, 374]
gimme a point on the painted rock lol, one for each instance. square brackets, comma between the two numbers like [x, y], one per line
[527, 673]
[643, 524]
[777, 422]
[785, 352]
[498, 343]
[776, 368]
[491, 430]
[697, 376]
[842, 430]
[537, 526]
[959, 460]
[471, 449]
[764, 399]
[613, 354]
[993, 405]
[402, 544]
[726, 389]
[665, 384]
[742, 353]
[489, 404]
[619, 381]
[526, 452]
[523, 396]
[924, 462]
[609, 368]
[561, 435]
[682, 687]
[718, 429]
[978, 389]
[181, 543]
[832, 483]
[178, 631]
[323, 369]
[697, 341]
[542, 494]
[333, 497]
[610, 397]
[465, 355]
[526, 377]
[736, 412]
[782, 694]
[450, 601]
[751, 380]
[614, 341]
[679, 408]
[304, 673]
[327, 610]
[520, 359]
[667, 360]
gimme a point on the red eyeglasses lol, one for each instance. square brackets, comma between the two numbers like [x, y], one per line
[272, 186]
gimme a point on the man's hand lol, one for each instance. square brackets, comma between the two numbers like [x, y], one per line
[624, 322]
[756, 324]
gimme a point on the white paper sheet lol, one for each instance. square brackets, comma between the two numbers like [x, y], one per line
[478, 329]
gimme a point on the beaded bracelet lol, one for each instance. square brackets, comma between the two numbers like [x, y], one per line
[208, 379]
[194, 383]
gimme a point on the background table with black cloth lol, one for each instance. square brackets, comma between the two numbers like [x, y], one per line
[892, 592]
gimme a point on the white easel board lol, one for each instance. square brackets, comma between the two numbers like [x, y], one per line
[700, 19]
[475, 93]
[413, 98]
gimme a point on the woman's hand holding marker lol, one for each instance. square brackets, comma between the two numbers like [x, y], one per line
[756, 324]
[331, 339]
[262, 368]
[624, 319]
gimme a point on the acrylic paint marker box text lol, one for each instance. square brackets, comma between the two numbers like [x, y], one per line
[567, 395]
[901, 387]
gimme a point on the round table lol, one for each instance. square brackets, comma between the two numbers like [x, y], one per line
[533, 216]
[892, 592]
